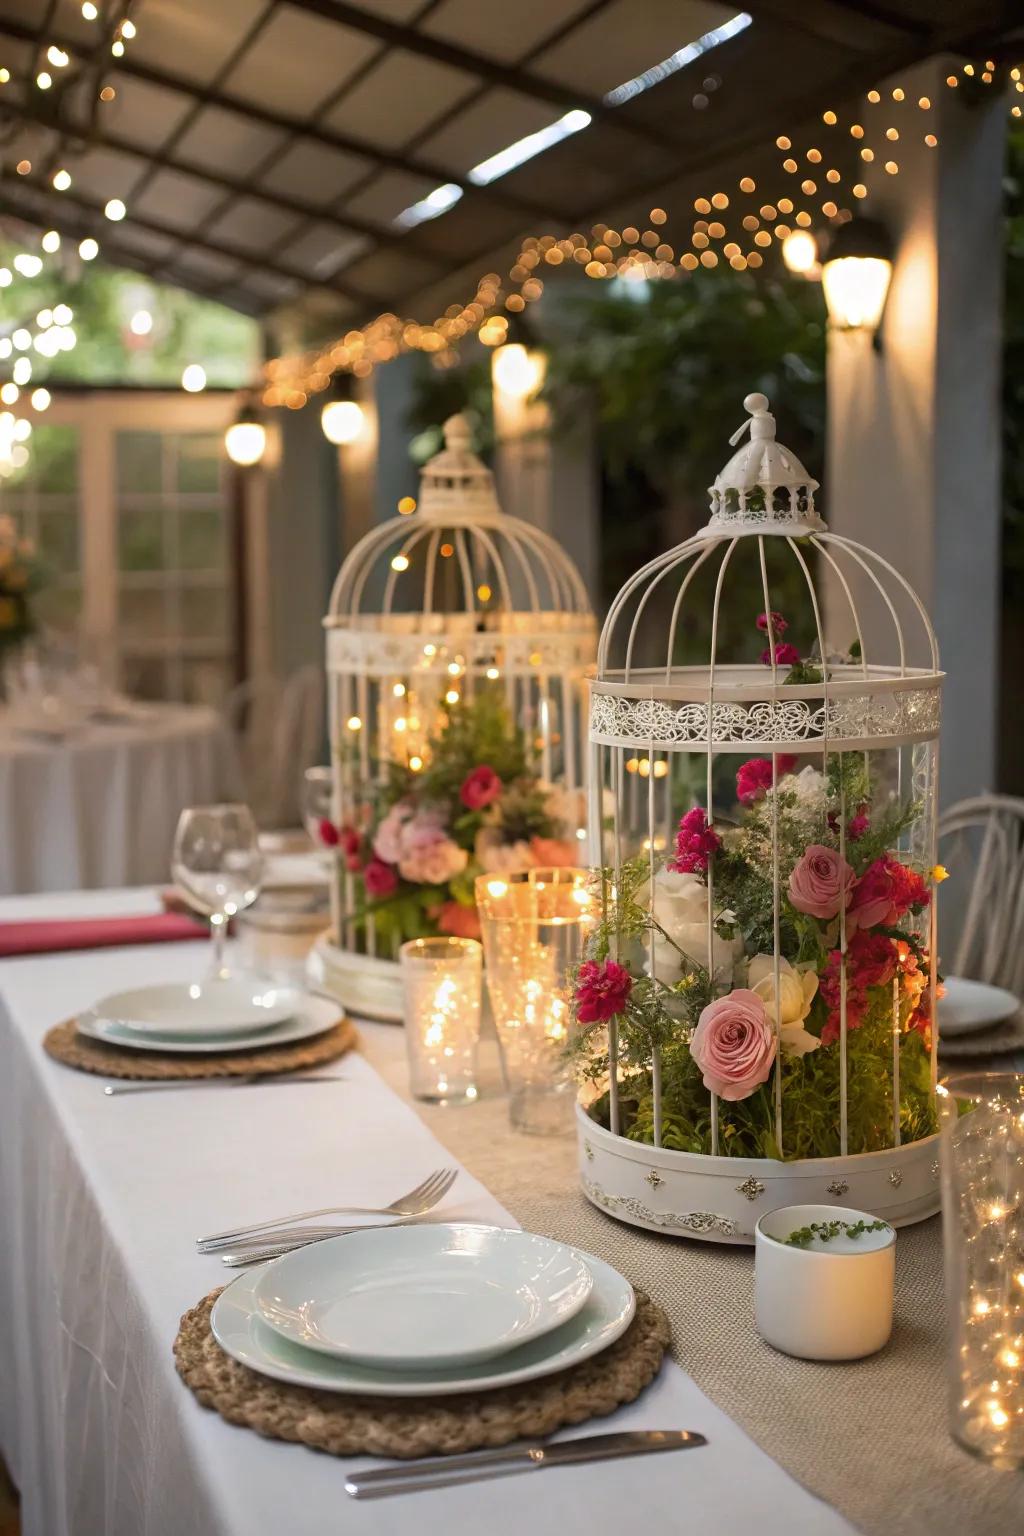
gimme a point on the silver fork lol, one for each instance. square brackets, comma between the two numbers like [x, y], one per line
[414, 1203]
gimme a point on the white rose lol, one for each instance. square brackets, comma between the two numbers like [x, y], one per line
[680, 907]
[809, 788]
[796, 994]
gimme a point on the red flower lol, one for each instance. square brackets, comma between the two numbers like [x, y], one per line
[885, 892]
[695, 842]
[461, 922]
[858, 825]
[871, 960]
[329, 834]
[351, 846]
[480, 788]
[779, 625]
[786, 655]
[380, 879]
[602, 989]
[754, 778]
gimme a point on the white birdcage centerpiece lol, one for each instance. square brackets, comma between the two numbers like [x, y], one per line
[457, 642]
[757, 1011]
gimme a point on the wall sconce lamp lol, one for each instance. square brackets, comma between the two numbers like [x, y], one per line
[246, 439]
[856, 274]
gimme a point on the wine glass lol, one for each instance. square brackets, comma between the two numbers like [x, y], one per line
[218, 866]
[317, 804]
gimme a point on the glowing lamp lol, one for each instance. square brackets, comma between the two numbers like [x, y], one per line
[800, 251]
[246, 441]
[515, 370]
[342, 421]
[856, 275]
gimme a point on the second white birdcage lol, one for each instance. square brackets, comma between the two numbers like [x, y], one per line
[758, 1012]
[457, 641]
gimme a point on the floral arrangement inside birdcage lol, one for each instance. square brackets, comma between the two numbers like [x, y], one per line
[473, 804]
[457, 642]
[755, 1013]
[22, 574]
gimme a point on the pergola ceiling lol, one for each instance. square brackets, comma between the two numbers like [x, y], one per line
[265, 148]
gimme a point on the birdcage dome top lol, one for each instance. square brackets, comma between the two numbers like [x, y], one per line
[459, 567]
[853, 659]
[764, 488]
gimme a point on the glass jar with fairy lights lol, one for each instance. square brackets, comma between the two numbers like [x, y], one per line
[457, 641]
[756, 1010]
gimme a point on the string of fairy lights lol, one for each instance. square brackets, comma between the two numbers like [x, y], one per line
[737, 228]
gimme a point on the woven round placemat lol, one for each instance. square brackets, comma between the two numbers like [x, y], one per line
[419, 1426]
[65, 1044]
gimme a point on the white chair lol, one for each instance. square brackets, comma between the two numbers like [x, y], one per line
[278, 728]
[981, 842]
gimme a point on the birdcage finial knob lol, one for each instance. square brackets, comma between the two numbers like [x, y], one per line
[456, 433]
[764, 488]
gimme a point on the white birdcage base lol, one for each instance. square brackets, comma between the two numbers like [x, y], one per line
[685, 1194]
[368, 987]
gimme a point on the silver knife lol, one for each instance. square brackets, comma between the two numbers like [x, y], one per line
[256, 1080]
[448, 1471]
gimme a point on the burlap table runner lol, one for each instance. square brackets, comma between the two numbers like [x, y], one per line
[870, 1437]
[65, 1044]
[346, 1425]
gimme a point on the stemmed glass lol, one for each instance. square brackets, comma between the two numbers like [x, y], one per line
[218, 867]
[317, 803]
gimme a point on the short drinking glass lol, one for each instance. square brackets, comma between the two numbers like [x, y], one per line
[218, 867]
[534, 924]
[442, 981]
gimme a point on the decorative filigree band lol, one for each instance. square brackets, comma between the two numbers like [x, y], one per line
[896, 715]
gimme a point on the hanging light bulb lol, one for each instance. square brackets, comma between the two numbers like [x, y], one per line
[61, 180]
[800, 251]
[115, 210]
[245, 441]
[40, 399]
[856, 275]
[141, 323]
[50, 242]
[517, 371]
[88, 248]
[193, 379]
[342, 421]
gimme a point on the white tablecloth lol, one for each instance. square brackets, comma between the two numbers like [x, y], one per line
[100, 1200]
[99, 808]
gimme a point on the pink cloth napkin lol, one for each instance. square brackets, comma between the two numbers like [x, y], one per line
[51, 935]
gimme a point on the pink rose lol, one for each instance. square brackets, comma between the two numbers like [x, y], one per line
[778, 623]
[821, 882]
[786, 655]
[432, 862]
[734, 1045]
[380, 879]
[387, 841]
[479, 788]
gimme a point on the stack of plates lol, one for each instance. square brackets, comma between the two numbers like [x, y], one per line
[423, 1310]
[214, 1016]
[367, 985]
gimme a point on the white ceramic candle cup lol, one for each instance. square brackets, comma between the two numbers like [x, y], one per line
[829, 1301]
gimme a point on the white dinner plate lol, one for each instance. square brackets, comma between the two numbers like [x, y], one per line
[311, 1016]
[424, 1297]
[197, 1009]
[970, 1005]
[241, 1332]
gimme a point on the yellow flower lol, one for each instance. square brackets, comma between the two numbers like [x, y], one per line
[940, 873]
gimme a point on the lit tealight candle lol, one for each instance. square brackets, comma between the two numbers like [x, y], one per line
[824, 1281]
[442, 980]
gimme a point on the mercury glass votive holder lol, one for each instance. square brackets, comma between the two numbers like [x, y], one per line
[442, 983]
[534, 923]
[982, 1159]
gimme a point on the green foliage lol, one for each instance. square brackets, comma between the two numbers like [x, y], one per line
[828, 1231]
[103, 299]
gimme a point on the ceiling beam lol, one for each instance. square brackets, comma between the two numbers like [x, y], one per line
[845, 25]
[235, 185]
[413, 165]
[54, 201]
[494, 72]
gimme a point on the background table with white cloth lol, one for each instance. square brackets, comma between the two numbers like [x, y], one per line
[98, 806]
[100, 1202]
